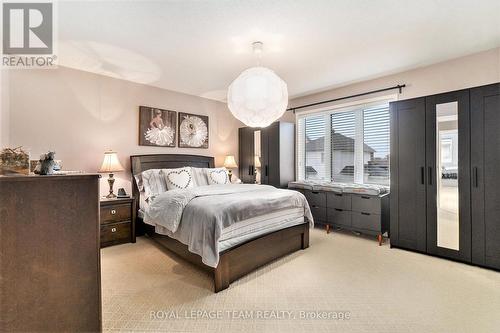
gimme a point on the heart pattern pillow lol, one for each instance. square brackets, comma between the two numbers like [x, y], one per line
[217, 176]
[178, 179]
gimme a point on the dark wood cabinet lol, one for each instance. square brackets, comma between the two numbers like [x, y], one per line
[277, 148]
[485, 159]
[408, 175]
[117, 221]
[49, 254]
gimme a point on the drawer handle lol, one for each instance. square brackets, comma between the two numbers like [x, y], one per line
[315, 206]
[113, 229]
[338, 195]
[365, 214]
[314, 192]
[113, 212]
[339, 210]
[364, 197]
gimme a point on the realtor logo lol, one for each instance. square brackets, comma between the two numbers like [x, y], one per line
[28, 29]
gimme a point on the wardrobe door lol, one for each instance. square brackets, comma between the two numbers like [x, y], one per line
[264, 157]
[448, 175]
[408, 225]
[271, 167]
[485, 163]
[246, 154]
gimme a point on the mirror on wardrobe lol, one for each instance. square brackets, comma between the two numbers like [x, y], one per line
[257, 156]
[447, 175]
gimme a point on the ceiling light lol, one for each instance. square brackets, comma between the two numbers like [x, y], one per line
[258, 96]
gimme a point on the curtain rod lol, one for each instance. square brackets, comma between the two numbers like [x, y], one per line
[399, 87]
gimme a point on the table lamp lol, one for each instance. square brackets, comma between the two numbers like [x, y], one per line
[109, 165]
[230, 163]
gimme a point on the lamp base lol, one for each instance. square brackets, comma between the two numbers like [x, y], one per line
[230, 174]
[111, 181]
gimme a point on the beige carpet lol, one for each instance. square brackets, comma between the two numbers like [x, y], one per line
[383, 289]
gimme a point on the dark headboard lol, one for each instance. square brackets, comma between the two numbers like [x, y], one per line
[140, 163]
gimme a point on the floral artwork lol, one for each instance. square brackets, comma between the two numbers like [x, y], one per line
[157, 127]
[193, 131]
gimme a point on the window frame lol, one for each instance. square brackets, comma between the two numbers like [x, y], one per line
[357, 107]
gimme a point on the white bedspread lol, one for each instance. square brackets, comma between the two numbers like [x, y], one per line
[197, 216]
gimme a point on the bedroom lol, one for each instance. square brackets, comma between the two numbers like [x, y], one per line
[347, 182]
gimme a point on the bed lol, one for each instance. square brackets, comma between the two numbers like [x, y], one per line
[238, 256]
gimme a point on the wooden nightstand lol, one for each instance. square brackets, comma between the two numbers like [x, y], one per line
[117, 221]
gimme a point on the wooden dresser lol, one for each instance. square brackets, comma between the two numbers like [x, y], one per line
[49, 254]
[117, 221]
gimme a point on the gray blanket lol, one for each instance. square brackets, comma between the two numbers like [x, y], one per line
[197, 216]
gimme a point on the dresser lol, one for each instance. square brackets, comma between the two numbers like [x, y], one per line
[49, 254]
[117, 221]
[367, 214]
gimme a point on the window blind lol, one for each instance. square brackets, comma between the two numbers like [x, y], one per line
[376, 134]
[345, 145]
[343, 132]
[314, 150]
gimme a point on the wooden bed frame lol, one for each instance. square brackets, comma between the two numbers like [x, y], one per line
[236, 261]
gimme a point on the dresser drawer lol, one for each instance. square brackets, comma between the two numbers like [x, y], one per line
[338, 200]
[339, 217]
[366, 221]
[318, 213]
[315, 198]
[115, 213]
[115, 233]
[366, 204]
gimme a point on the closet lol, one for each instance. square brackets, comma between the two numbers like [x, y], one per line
[267, 155]
[444, 186]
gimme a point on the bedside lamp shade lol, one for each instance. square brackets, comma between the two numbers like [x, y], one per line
[229, 162]
[111, 163]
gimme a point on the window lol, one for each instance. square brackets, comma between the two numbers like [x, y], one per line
[342, 139]
[376, 130]
[315, 147]
[345, 145]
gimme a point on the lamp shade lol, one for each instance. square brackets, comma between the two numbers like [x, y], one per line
[257, 97]
[229, 162]
[111, 163]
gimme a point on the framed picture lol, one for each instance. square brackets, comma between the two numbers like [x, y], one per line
[193, 131]
[157, 127]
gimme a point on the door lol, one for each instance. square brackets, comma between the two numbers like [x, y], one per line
[448, 175]
[271, 154]
[246, 154]
[408, 206]
[485, 162]
[264, 159]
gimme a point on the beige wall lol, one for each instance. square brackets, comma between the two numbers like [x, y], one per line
[79, 115]
[4, 109]
[470, 71]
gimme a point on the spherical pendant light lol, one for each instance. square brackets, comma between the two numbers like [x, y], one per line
[258, 96]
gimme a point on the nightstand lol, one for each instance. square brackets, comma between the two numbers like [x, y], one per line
[117, 221]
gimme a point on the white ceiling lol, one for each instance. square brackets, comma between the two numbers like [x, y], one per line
[199, 47]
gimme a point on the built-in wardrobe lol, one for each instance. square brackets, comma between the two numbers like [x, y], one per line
[267, 155]
[445, 184]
